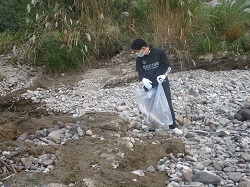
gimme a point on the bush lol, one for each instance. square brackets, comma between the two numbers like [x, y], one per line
[8, 40]
[57, 57]
[241, 45]
[213, 26]
[205, 44]
[12, 15]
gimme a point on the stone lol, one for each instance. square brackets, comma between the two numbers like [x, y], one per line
[187, 176]
[139, 173]
[56, 185]
[27, 162]
[244, 184]
[218, 165]
[22, 137]
[119, 108]
[245, 156]
[189, 135]
[207, 177]
[55, 136]
[235, 176]
[151, 169]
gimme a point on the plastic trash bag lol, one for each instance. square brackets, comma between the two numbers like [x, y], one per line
[154, 105]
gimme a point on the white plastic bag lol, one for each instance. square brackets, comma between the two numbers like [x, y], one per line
[154, 105]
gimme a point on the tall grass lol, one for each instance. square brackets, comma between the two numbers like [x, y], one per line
[65, 34]
[193, 26]
[219, 28]
[171, 20]
[8, 40]
[87, 29]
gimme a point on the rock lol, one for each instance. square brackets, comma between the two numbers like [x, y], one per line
[189, 135]
[119, 108]
[80, 131]
[55, 136]
[27, 162]
[174, 184]
[151, 169]
[189, 158]
[239, 117]
[192, 184]
[218, 165]
[88, 183]
[247, 101]
[188, 176]
[22, 137]
[89, 132]
[139, 173]
[56, 185]
[222, 133]
[235, 176]
[244, 184]
[199, 166]
[245, 156]
[48, 162]
[207, 177]
[245, 113]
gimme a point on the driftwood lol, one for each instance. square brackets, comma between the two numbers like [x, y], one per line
[119, 81]
[10, 168]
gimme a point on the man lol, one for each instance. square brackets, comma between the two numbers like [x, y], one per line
[152, 65]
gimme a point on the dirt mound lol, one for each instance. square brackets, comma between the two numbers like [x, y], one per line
[104, 159]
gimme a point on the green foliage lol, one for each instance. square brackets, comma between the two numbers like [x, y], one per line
[12, 15]
[240, 46]
[57, 57]
[8, 40]
[65, 34]
[205, 44]
[227, 18]
[214, 26]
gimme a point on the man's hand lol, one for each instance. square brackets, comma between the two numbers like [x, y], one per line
[161, 78]
[147, 83]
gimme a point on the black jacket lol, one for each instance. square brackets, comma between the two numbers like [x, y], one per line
[152, 65]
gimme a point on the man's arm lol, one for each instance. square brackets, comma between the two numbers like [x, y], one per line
[139, 70]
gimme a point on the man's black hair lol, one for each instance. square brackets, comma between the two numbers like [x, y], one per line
[138, 43]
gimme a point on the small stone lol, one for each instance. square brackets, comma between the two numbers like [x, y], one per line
[139, 173]
[89, 132]
[151, 169]
[119, 108]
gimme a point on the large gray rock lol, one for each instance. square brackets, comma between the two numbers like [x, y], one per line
[207, 177]
[243, 115]
[244, 184]
[245, 156]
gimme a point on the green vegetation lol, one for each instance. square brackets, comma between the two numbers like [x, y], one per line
[221, 28]
[64, 34]
[12, 15]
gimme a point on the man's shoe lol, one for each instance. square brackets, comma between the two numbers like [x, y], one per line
[177, 131]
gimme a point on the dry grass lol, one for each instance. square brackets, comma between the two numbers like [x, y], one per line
[169, 25]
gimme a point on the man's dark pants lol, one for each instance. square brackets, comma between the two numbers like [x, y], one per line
[167, 91]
